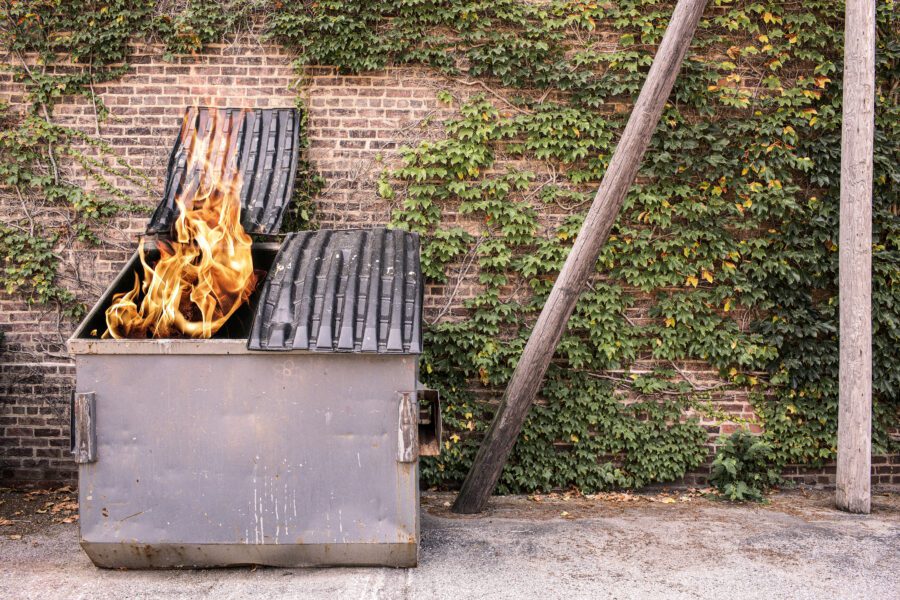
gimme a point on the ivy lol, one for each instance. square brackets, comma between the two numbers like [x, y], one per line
[35, 152]
[727, 241]
[30, 149]
[308, 183]
[31, 268]
[60, 49]
[725, 248]
[743, 469]
[189, 28]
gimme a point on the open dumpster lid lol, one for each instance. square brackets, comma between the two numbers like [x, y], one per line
[342, 291]
[326, 291]
[264, 142]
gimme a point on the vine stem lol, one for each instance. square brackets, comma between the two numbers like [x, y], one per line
[493, 93]
[694, 386]
[690, 382]
[462, 275]
[46, 113]
[629, 384]
[26, 211]
[93, 97]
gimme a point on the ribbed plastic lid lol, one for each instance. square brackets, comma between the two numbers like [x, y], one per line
[265, 144]
[342, 291]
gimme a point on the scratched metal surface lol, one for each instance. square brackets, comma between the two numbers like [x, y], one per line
[237, 453]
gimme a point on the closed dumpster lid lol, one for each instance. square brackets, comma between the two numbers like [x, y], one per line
[342, 291]
[264, 142]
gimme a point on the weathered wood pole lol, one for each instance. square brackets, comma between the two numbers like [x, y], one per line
[623, 167]
[854, 448]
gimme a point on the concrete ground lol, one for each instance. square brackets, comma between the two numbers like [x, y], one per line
[673, 545]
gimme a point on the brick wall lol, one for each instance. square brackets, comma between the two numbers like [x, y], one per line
[355, 126]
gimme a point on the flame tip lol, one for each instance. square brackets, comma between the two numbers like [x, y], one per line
[207, 270]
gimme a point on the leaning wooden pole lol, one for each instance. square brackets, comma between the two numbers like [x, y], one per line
[854, 448]
[529, 373]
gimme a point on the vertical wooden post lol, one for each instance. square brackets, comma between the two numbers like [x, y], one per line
[581, 262]
[854, 457]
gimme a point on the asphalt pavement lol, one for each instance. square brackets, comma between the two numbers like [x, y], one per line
[610, 546]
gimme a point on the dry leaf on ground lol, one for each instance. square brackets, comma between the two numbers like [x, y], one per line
[67, 505]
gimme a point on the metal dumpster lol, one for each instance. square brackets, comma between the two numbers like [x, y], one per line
[291, 438]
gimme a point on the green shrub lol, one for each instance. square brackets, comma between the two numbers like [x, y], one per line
[744, 467]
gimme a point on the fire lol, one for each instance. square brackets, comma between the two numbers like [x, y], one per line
[205, 273]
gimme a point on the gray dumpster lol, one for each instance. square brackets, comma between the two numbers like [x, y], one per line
[291, 438]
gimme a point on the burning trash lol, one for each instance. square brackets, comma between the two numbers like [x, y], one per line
[284, 409]
[205, 272]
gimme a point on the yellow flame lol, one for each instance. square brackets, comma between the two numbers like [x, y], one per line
[206, 272]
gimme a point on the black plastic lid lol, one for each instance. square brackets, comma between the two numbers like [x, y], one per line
[342, 291]
[264, 142]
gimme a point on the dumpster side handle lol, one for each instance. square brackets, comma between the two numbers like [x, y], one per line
[430, 430]
[407, 431]
[83, 426]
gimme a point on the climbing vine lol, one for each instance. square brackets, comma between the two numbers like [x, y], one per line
[62, 179]
[37, 154]
[725, 252]
[727, 242]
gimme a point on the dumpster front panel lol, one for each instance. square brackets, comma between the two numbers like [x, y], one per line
[286, 459]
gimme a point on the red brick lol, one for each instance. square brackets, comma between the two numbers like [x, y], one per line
[352, 119]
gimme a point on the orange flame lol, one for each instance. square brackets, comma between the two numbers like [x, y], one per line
[204, 275]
